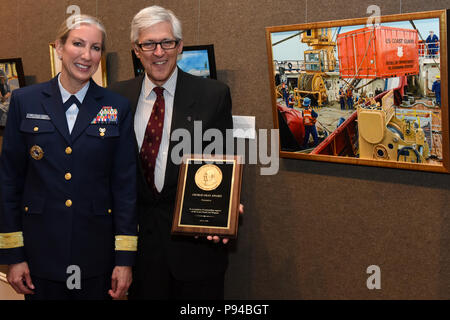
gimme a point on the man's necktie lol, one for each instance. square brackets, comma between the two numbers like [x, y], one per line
[71, 114]
[152, 138]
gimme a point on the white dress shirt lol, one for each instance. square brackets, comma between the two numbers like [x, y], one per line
[72, 112]
[143, 111]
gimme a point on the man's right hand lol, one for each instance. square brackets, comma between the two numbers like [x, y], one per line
[19, 278]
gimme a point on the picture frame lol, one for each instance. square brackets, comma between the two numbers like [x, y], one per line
[11, 78]
[138, 68]
[369, 86]
[100, 76]
[197, 60]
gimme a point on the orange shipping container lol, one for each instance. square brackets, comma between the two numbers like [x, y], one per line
[380, 52]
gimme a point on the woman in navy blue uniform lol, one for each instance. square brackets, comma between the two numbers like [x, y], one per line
[68, 177]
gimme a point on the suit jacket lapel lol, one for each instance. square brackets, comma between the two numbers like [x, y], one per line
[88, 110]
[135, 92]
[53, 106]
[183, 111]
[183, 116]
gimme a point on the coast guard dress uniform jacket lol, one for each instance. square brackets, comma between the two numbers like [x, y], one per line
[68, 198]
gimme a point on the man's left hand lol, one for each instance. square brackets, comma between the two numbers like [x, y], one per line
[120, 281]
[216, 239]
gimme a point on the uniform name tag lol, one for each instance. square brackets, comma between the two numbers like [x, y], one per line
[38, 116]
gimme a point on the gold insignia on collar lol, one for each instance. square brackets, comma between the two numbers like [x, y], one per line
[36, 152]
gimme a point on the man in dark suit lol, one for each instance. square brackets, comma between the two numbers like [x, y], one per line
[170, 267]
[68, 220]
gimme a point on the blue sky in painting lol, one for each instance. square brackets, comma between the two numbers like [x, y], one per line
[195, 62]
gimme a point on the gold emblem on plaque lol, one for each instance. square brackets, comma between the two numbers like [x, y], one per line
[208, 177]
[36, 152]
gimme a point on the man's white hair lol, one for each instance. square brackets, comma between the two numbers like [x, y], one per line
[153, 15]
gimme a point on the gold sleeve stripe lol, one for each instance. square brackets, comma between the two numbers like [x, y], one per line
[11, 240]
[126, 243]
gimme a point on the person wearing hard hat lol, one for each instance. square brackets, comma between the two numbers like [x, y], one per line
[432, 43]
[291, 101]
[342, 97]
[285, 92]
[349, 94]
[436, 88]
[309, 122]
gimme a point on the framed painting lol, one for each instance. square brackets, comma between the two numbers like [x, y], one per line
[100, 76]
[367, 93]
[11, 78]
[199, 61]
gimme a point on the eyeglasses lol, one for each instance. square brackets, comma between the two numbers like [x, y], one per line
[165, 44]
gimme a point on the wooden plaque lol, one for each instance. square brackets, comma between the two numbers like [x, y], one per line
[208, 195]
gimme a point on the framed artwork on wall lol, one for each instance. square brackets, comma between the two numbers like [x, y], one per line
[137, 65]
[100, 76]
[196, 60]
[11, 78]
[199, 61]
[363, 91]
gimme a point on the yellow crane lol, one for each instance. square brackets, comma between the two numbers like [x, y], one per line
[318, 60]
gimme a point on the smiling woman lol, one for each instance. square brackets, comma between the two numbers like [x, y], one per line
[79, 46]
[99, 77]
[69, 209]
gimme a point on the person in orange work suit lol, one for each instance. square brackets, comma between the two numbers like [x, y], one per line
[349, 94]
[309, 121]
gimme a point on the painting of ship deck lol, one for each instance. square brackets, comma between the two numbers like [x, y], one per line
[371, 94]
[11, 78]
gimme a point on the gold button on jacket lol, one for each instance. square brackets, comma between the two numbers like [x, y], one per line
[69, 203]
[68, 176]
[68, 150]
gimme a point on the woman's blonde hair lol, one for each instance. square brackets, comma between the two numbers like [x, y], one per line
[74, 21]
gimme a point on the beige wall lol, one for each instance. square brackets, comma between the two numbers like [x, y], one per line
[310, 231]
[6, 291]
